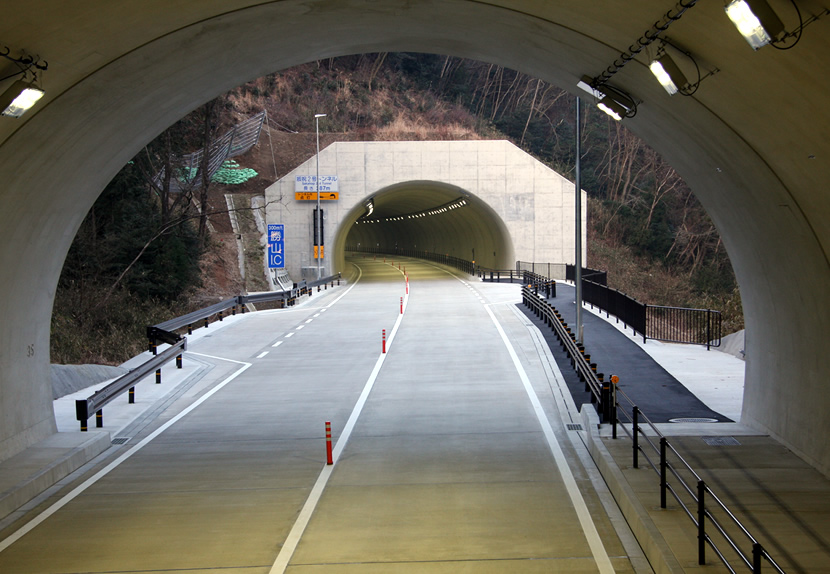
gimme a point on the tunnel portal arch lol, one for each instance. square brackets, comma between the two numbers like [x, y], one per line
[482, 200]
[751, 143]
[401, 219]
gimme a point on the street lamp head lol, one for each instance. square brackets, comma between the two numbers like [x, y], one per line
[319, 115]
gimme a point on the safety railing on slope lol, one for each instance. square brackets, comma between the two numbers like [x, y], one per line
[658, 322]
[164, 332]
[695, 497]
[705, 504]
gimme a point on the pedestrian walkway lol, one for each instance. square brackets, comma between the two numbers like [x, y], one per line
[779, 498]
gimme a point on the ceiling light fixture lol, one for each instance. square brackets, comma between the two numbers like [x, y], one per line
[19, 98]
[760, 25]
[23, 93]
[756, 21]
[668, 74]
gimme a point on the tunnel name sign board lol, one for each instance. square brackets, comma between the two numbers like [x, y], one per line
[276, 246]
[305, 188]
[309, 183]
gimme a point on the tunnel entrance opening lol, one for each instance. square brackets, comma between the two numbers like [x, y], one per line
[427, 216]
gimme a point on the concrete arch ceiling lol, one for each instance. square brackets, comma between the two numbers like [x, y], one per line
[453, 233]
[752, 143]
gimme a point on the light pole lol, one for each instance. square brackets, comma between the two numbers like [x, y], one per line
[578, 223]
[318, 223]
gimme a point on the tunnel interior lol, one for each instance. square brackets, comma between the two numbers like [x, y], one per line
[426, 216]
[751, 143]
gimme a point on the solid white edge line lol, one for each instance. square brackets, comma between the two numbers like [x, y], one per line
[298, 529]
[28, 527]
[352, 286]
[582, 512]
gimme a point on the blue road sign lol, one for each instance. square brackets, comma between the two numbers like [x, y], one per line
[276, 246]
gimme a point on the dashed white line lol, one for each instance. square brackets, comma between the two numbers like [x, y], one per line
[309, 321]
[300, 327]
[289, 334]
[262, 354]
[277, 344]
[296, 533]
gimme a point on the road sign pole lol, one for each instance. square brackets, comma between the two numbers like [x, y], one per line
[319, 214]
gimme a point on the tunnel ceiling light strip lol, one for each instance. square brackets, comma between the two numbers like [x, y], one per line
[447, 207]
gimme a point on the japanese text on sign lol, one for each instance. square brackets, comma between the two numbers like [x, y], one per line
[309, 183]
[276, 246]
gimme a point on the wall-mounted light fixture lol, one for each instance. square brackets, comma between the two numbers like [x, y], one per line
[756, 21]
[23, 93]
[760, 25]
[668, 73]
[19, 98]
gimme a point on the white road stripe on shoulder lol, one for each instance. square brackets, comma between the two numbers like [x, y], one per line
[585, 520]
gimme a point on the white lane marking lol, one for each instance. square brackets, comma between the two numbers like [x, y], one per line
[359, 275]
[588, 526]
[296, 533]
[317, 314]
[111, 466]
[289, 334]
[309, 321]
[262, 354]
[300, 327]
[277, 344]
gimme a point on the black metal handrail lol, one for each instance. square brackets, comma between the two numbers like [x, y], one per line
[680, 325]
[658, 322]
[698, 510]
[604, 395]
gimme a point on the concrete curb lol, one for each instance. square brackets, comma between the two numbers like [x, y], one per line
[25, 476]
[654, 546]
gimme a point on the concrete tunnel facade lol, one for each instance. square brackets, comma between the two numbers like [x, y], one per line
[751, 142]
[482, 201]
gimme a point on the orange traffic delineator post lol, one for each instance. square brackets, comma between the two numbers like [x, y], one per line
[384, 340]
[407, 285]
[401, 305]
[328, 444]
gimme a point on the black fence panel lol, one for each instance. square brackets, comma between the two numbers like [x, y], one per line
[679, 325]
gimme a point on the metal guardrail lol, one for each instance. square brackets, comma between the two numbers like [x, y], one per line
[695, 497]
[705, 505]
[178, 344]
[96, 402]
[581, 362]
